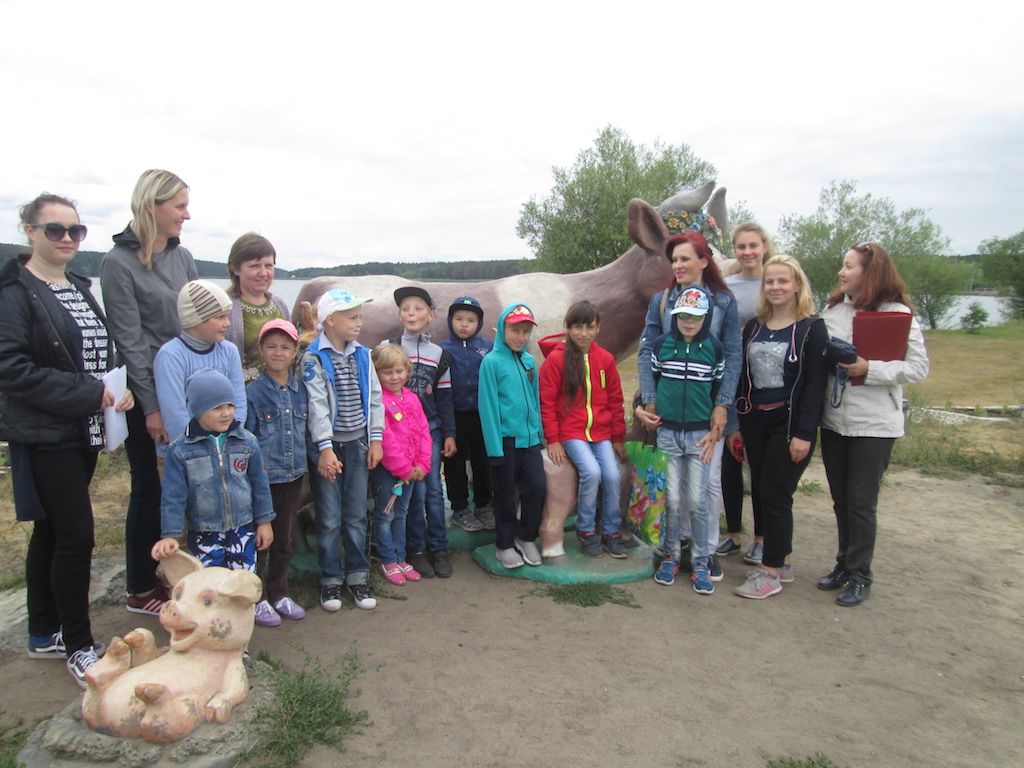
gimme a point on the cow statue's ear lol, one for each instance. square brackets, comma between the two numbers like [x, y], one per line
[646, 227]
[178, 566]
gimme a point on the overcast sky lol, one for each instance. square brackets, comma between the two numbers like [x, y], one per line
[416, 131]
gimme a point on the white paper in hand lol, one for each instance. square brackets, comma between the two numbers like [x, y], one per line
[115, 425]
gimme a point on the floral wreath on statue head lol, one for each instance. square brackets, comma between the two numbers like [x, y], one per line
[704, 223]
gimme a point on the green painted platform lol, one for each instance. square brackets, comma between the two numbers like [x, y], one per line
[462, 541]
[576, 567]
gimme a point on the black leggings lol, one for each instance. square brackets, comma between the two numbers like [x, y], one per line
[142, 523]
[60, 551]
[773, 479]
[732, 494]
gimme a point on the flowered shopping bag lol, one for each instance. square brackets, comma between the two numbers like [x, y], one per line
[647, 491]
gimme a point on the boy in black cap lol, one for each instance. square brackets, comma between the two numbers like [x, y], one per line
[467, 350]
[426, 534]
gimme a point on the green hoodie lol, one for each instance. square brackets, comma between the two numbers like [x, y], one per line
[509, 395]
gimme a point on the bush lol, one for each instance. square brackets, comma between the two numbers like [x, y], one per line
[975, 317]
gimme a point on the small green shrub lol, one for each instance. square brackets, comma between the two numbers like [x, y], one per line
[587, 594]
[975, 318]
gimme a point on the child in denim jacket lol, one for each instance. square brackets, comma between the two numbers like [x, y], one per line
[277, 416]
[214, 477]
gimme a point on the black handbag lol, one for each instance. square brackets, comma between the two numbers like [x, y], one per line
[839, 351]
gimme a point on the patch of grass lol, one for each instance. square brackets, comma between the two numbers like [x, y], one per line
[994, 450]
[817, 761]
[309, 708]
[587, 595]
[12, 739]
[809, 487]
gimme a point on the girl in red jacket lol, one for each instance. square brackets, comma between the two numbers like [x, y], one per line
[581, 410]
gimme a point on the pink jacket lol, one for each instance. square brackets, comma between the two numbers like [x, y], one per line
[407, 440]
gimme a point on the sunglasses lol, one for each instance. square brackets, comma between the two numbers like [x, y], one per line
[864, 247]
[56, 232]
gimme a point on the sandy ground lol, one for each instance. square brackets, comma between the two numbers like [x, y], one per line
[473, 671]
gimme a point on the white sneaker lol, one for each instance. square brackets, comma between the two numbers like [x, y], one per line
[509, 558]
[529, 552]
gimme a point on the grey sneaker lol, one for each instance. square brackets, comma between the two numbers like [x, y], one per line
[755, 554]
[590, 543]
[509, 558]
[759, 585]
[529, 552]
[79, 663]
[615, 546]
[786, 573]
[714, 569]
[467, 521]
[486, 517]
[727, 547]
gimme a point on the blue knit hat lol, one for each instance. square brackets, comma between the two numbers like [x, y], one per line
[206, 389]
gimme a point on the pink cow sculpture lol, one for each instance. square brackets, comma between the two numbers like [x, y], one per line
[621, 290]
[139, 691]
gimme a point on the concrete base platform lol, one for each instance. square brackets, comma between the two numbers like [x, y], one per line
[575, 567]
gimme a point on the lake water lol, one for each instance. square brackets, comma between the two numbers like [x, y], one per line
[289, 291]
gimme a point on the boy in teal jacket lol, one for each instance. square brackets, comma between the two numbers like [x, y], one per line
[509, 401]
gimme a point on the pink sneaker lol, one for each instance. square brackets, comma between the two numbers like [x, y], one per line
[393, 573]
[410, 573]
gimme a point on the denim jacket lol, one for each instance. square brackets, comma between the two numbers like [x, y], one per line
[725, 328]
[216, 491]
[277, 416]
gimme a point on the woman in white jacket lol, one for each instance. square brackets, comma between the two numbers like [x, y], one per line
[857, 437]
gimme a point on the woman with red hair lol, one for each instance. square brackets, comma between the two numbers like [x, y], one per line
[858, 436]
[693, 263]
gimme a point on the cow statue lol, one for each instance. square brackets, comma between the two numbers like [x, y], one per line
[138, 691]
[620, 290]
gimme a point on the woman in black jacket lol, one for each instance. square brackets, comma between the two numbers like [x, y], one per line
[780, 397]
[54, 349]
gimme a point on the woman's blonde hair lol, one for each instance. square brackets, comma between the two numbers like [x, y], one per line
[153, 187]
[804, 301]
[757, 229]
[390, 356]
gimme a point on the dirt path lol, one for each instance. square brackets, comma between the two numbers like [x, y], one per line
[472, 672]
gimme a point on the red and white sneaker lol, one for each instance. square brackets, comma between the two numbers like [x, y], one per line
[410, 573]
[393, 573]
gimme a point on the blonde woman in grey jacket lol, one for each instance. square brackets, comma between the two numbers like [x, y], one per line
[141, 278]
[857, 437]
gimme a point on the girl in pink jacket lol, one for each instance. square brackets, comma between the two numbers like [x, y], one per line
[406, 460]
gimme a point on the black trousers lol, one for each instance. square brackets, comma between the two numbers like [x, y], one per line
[732, 495]
[855, 467]
[522, 471]
[142, 523]
[469, 438]
[57, 567]
[773, 479]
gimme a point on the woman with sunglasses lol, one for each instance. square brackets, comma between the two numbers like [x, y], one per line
[54, 350]
[251, 269]
[857, 437]
[141, 278]
[782, 388]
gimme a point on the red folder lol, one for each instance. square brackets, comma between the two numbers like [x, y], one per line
[880, 336]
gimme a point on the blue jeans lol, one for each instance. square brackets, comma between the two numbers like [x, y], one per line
[598, 469]
[389, 528]
[687, 480]
[425, 526]
[341, 514]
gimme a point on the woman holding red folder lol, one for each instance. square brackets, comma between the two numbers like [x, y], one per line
[857, 437]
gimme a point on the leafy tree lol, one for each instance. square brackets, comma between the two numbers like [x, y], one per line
[581, 224]
[844, 218]
[934, 283]
[975, 317]
[1002, 260]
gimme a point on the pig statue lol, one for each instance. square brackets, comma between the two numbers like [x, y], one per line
[141, 692]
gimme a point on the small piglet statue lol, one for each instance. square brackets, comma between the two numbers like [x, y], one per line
[138, 691]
